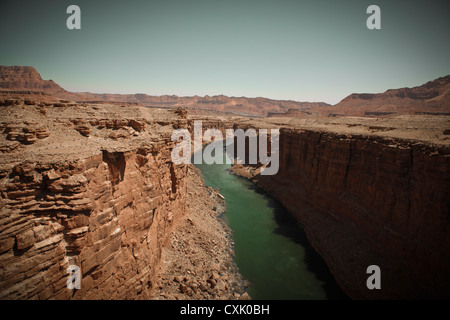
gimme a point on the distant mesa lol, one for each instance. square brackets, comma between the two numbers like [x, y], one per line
[432, 98]
[26, 78]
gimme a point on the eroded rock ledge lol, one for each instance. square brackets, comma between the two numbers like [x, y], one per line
[109, 215]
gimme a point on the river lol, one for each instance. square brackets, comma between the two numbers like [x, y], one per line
[271, 249]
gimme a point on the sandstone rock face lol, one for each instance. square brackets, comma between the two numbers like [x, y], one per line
[105, 214]
[370, 200]
[70, 195]
[24, 132]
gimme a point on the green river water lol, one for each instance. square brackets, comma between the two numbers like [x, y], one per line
[271, 249]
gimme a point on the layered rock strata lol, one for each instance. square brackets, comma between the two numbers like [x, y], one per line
[106, 214]
[367, 200]
[92, 186]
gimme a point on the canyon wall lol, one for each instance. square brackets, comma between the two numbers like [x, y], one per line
[368, 200]
[100, 193]
[109, 214]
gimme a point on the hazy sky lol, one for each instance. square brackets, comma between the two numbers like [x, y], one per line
[317, 50]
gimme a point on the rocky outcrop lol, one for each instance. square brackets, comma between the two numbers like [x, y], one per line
[109, 214]
[24, 132]
[71, 195]
[366, 200]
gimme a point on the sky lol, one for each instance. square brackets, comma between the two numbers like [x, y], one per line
[317, 50]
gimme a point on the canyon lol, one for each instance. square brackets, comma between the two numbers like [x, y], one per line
[92, 183]
[94, 186]
[368, 200]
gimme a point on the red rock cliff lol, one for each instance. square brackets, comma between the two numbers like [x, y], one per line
[101, 194]
[370, 200]
[110, 214]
